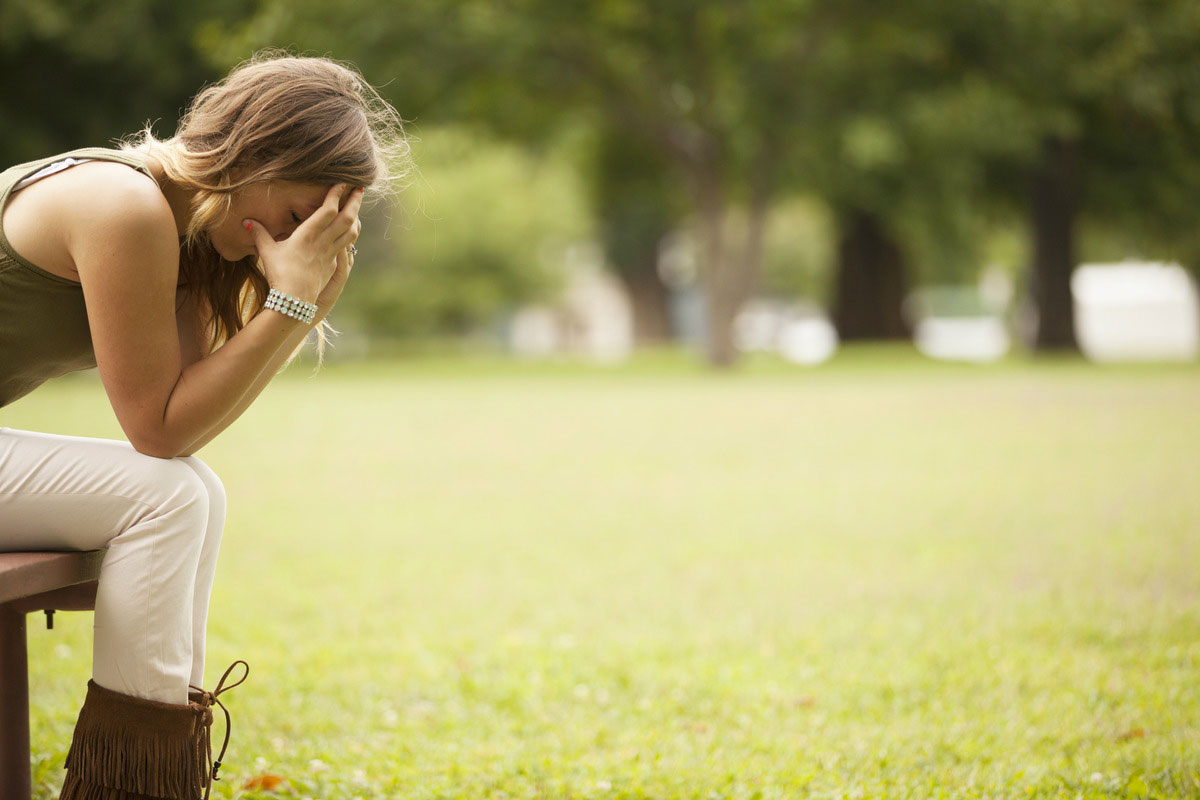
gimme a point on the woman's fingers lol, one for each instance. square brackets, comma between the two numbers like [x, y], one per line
[343, 263]
[354, 204]
[258, 233]
[327, 229]
[324, 217]
[348, 238]
[329, 209]
[345, 222]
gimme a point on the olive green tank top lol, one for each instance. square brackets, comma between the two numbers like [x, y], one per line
[43, 320]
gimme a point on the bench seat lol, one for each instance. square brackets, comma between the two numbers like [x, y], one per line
[32, 582]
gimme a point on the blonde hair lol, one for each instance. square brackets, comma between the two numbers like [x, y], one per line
[276, 117]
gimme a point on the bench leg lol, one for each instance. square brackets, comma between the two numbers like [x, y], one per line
[16, 783]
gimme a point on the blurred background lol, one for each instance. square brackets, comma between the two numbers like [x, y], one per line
[780, 176]
[465, 562]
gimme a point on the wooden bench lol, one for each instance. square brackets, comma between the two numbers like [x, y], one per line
[32, 582]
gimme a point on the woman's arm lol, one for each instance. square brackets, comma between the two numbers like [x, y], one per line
[194, 343]
[128, 263]
[268, 373]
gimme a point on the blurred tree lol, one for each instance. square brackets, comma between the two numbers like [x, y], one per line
[896, 155]
[855, 154]
[81, 72]
[1104, 98]
[1064, 110]
[637, 205]
[907, 118]
[713, 90]
[481, 228]
[798, 250]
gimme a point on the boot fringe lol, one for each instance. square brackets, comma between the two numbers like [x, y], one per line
[76, 789]
[126, 747]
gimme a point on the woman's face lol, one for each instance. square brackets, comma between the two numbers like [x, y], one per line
[279, 206]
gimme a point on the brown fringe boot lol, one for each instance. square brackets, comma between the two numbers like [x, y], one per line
[128, 748]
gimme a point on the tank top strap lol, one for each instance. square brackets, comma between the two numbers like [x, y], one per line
[104, 154]
[15, 174]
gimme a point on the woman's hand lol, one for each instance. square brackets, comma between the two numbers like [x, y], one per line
[307, 263]
[333, 289]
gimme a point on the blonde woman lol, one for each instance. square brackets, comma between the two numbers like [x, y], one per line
[188, 271]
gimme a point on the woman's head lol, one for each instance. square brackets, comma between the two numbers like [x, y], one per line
[281, 118]
[276, 119]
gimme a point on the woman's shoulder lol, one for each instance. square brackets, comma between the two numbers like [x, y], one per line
[109, 196]
[112, 184]
[113, 204]
[84, 209]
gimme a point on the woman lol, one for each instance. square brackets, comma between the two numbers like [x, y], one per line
[188, 271]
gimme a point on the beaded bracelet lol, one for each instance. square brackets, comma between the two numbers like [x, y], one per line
[290, 306]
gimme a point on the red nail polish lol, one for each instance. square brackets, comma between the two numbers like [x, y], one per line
[249, 226]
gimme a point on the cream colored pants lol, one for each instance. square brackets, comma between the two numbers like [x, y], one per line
[160, 521]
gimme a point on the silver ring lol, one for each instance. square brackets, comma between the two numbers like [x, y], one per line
[352, 250]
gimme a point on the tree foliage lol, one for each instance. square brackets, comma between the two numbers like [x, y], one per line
[481, 229]
[1102, 103]
[917, 123]
[82, 72]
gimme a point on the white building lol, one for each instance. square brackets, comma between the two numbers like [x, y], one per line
[800, 332]
[592, 319]
[1136, 311]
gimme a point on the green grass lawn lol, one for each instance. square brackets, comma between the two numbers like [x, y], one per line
[879, 578]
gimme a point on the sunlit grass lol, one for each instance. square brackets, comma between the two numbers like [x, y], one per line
[880, 578]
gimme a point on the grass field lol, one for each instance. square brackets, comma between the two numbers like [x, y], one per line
[879, 578]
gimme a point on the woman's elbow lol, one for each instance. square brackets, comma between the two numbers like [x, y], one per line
[157, 447]
[151, 436]
[153, 449]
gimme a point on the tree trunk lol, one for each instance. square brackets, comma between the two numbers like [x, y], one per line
[637, 206]
[871, 280]
[650, 301]
[1054, 203]
[730, 269]
[718, 304]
